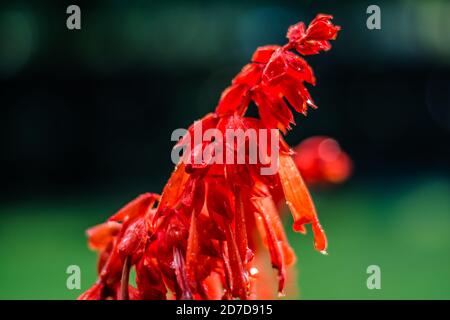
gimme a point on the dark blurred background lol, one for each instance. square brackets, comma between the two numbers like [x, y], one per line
[86, 118]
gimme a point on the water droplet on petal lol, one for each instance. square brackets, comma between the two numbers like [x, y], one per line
[254, 271]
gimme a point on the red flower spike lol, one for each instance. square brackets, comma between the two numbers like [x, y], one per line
[199, 239]
[280, 73]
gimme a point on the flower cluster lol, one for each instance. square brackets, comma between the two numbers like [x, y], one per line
[276, 76]
[198, 240]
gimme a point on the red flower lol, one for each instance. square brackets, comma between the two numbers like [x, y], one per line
[277, 75]
[201, 239]
[321, 160]
[315, 38]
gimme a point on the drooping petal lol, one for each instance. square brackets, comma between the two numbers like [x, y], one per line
[219, 199]
[292, 93]
[192, 250]
[100, 236]
[239, 274]
[273, 111]
[149, 279]
[172, 191]
[299, 201]
[241, 229]
[212, 287]
[181, 276]
[133, 293]
[138, 206]
[276, 254]
[93, 293]
[270, 214]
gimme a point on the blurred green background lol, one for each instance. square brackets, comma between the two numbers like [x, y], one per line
[87, 117]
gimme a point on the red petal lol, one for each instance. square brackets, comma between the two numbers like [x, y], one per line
[299, 200]
[294, 97]
[207, 122]
[299, 68]
[138, 206]
[306, 96]
[250, 75]
[193, 247]
[274, 112]
[240, 228]
[180, 271]
[172, 190]
[233, 98]
[322, 29]
[313, 47]
[263, 54]
[149, 280]
[219, 199]
[296, 32]
[100, 236]
[134, 239]
[272, 216]
[275, 69]
[317, 36]
[238, 273]
[134, 293]
[93, 293]
[271, 240]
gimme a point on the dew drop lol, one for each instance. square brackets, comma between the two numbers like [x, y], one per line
[254, 271]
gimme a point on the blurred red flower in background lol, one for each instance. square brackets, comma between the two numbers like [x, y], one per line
[199, 239]
[321, 161]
